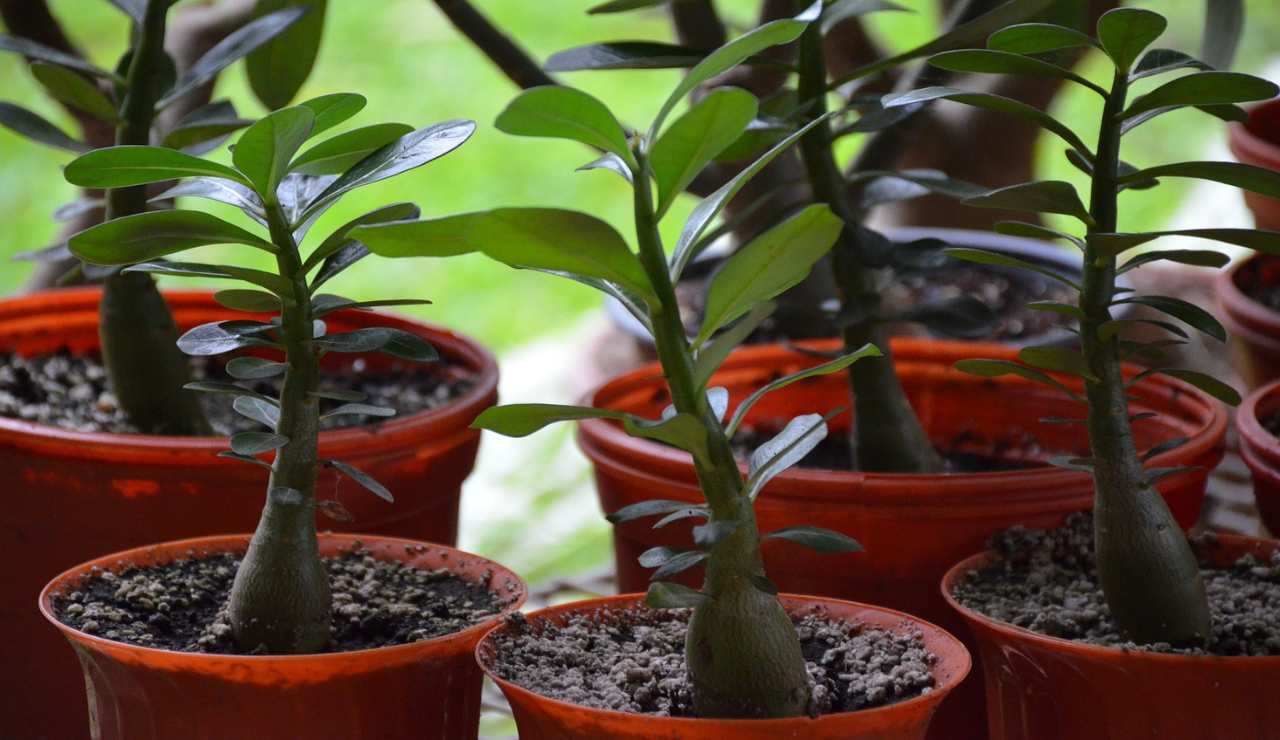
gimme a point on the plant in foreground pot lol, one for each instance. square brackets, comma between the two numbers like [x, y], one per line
[742, 651]
[144, 99]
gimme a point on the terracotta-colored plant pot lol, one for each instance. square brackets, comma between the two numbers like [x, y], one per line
[1261, 450]
[71, 496]
[1254, 328]
[1045, 688]
[912, 527]
[1257, 142]
[542, 718]
[427, 689]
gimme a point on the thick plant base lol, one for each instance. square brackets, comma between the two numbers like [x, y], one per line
[542, 718]
[72, 496]
[1045, 688]
[428, 689]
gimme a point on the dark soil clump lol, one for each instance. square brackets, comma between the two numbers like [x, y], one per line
[180, 605]
[70, 392]
[633, 661]
[1272, 423]
[1048, 583]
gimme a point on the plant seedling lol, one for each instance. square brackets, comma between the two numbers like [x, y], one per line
[743, 654]
[1147, 569]
[145, 370]
[280, 600]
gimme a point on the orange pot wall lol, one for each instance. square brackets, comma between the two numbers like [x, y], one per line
[542, 718]
[1044, 688]
[428, 689]
[1257, 142]
[70, 496]
[1254, 329]
[912, 527]
[1261, 451]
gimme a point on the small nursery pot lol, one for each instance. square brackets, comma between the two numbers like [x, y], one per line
[1257, 142]
[1261, 450]
[1254, 327]
[426, 689]
[1046, 688]
[71, 496]
[542, 718]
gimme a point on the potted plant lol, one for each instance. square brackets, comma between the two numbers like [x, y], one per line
[71, 460]
[255, 622]
[1140, 592]
[741, 650]
[1256, 425]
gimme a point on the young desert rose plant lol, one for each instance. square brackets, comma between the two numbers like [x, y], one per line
[743, 653]
[280, 600]
[144, 367]
[1147, 570]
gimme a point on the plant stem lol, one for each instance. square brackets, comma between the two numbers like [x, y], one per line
[1148, 571]
[145, 368]
[280, 599]
[743, 654]
[886, 436]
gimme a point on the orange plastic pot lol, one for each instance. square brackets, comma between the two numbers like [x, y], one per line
[912, 527]
[427, 689]
[542, 718]
[1261, 450]
[1257, 142]
[71, 496]
[1254, 328]
[1045, 688]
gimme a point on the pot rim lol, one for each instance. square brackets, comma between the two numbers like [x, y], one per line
[1252, 433]
[457, 413]
[628, 600]
[231, 542]
[1242, 314]
[1083, 649]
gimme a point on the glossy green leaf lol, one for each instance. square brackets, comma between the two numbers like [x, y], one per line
[254, 368]
[265, 149]
[643, 509]
[1126, 32]
[768, 265]
[135, 9]
[256, 443]
[840, 11]
[826, 368]
[385, 339]
[717, 350]
[888, 185]
[257, 409]
[145, 236]
[1261, 241]
[667, 595]
[217, 337]
[1035, 231]
[707, 536]
[363, 478]
[1038, 38]
[1057, 359]
[1042, 196]
[358, 409]
[1188, 313]
[681, 431]
[219, 387]
[268, 280]
[1204, 88]
[75, 90]
[338, 154]
[678, 563]
[1206, 383]
[1247, 177]
[1117, 327]
[278, 68]
[787, 448]
[205, 127]
[34, 50]
[125, 166]
[1223, 27]
[984, 257]
[1160, 61]
[325, 304]
[624, 55]
[217, 189]
[619, 6]
[988, 61]
[523, 419]
[611, 162]
[560, 112]
[999, 368]
[25, 123]
[334, 109]
[1193, 257]
[341, 235]
[694, 139]
[816, 538]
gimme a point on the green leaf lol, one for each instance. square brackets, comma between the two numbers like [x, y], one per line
[125, 166]
[710, 207]
[341, 235]
[1204, 88]
[558, 112]
[333, 109]
[1160, 61]
[990, 102]
[74, 90]
[204, 127]
[253, 301]
[826, 368]
[256, 443]
[33, 50]
[254, 368]
[652, 507]
[523, 419]
[25, 123]
[682, 431]
[1116, 327]
[222, 191]
[145, 236]
[265, 148]
[1261, 241]
[619, 6]
[338, 154]
[796, 440]
[609, 161]
[770, 264]
[1035, 231]
[624, 55]
[1066, 309]
[1247, 177]
[987, 61]
[385, 339]
[816, 538]
[135, 9]
[983, 257]
[363, 478]
[217, 337]
[888, 185]
[219, 387]
[1224, 24]
[1188, 313]
[842, 10]
[268, 280]
[258, 409]
[721, 60]
[678, 563]
[278, 68]
[1042, 196]
[1206, 383]
[1193, 257]
[235, 45]
[324, 304]
[358, 409]
[1057, 359]
[694, 139]
[707, 536]
[717, 350]
[1126, 32]
[1038, 38]
[664, 594]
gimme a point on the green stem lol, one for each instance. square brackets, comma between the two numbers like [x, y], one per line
[743, 654]
[1148, 571]
[280, 599]
[145, 368]
[886, 435]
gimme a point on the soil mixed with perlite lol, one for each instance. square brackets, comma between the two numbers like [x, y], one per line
[181, 605]
[1047, 582]
[632, 660]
